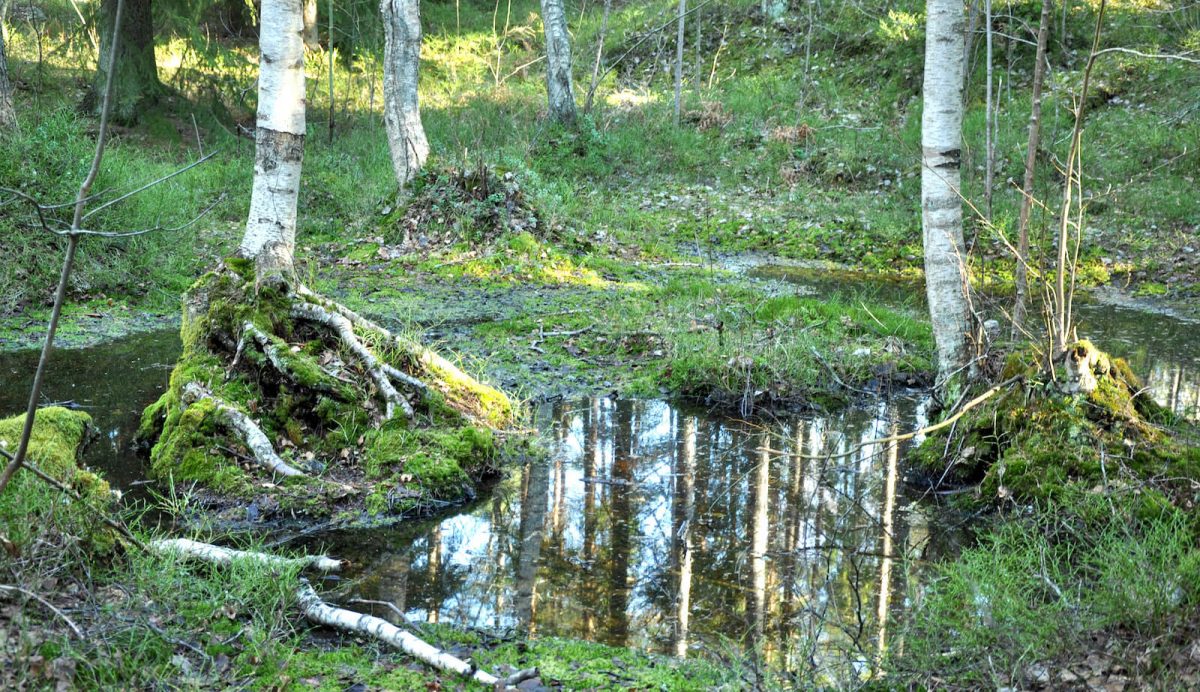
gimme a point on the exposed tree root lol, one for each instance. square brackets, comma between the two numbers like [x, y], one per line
[224, 556]
[322, 613]
[270, 349]
[255, 439]
[313, 312]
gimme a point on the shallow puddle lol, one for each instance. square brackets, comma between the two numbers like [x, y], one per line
[671, 530]
[113, 382]
[648, 525]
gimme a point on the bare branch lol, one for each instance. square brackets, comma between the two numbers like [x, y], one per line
[148, 185]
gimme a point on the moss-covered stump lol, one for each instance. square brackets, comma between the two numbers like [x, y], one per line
[30, 506]
[1090, 427]
[287, 405]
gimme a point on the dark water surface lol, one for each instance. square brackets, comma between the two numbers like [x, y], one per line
[664, 528]
[113, 382]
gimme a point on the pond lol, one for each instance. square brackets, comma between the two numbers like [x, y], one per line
[651, 525]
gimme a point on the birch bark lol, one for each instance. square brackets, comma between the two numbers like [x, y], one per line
[559, 91]
[946, 280]
[401, 108]
[270, 237]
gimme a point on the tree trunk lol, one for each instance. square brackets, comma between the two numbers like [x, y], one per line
[773, 10]
[946, 280]
[312, 40]
[1035, 133]
[679, 59]
[560, 94]
[270, 237]
[402, 114]
[8, 114]
[135, 83]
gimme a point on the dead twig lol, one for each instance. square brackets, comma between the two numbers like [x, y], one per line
[47, 604]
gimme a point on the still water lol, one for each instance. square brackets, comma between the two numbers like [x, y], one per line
[650, 525]
[671, 530]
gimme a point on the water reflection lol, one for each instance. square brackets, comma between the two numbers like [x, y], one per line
[670, 530]
[113, 382]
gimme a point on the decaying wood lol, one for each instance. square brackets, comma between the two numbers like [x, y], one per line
[323, 613]
[375, 368]
[252, 435]
[224, 556]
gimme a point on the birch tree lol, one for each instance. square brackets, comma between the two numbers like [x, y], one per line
[946, 279]
[8, 114]
[560, 94]
[270, 236]
[401, 109]
[243, 319]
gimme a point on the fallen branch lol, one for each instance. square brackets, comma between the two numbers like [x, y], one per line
[225, 556]
[323, 613]
[252, 435]
[344, 328]
[47, 604]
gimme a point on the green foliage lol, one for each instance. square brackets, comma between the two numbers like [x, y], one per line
[1036, 589]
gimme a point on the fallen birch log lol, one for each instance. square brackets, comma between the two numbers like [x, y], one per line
[217, 555]
[252, 435]
[323, 613]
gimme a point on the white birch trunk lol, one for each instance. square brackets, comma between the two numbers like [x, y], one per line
[270, 236]
[679, 59]
[322, 613]
[401, 110]
[8, 114]
[312, 40]
[946, 280]
[558, 62]
[217, 555]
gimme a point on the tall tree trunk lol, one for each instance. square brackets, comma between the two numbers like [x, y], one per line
[401, 110]
[1031, 149]
[559, 92]
[270, 237]
[312, 39]
[946, 280]
[135, 82]
[8, 114]
[679, 59]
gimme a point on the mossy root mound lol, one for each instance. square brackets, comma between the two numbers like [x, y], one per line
[30, 506]
[479, 205]
[1091, 427]
[287, 405]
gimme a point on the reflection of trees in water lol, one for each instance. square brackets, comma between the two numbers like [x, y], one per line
[666, 530]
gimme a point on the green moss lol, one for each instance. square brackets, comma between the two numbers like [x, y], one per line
[1035, 443]
[54, 445]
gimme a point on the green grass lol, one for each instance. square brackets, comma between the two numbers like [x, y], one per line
[1036, 590]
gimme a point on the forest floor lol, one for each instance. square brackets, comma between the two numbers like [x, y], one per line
[628, 283]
